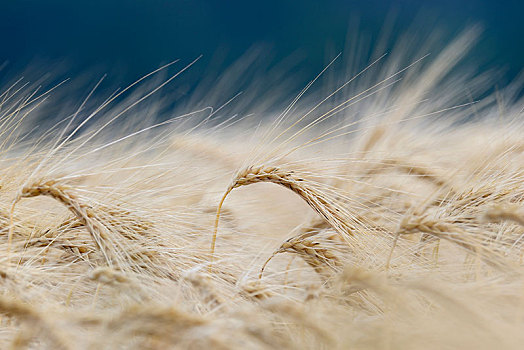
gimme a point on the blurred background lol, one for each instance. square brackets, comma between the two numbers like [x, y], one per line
[129, 38]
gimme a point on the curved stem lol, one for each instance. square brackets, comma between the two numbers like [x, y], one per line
[393, 246]
[10, 232]
[267, 261]
[213, 242]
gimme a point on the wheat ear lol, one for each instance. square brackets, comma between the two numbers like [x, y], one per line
[289, 179]
[83, 212]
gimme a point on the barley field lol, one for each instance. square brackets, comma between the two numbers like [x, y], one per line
[383, 208]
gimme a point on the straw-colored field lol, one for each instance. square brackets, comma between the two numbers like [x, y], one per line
[385, 213]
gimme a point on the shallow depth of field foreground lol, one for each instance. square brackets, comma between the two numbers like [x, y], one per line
[383, 209]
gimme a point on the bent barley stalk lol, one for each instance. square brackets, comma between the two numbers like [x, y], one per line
[83, 213]
[408, 167]
[309, 250]
[456, 235]
[289, 179]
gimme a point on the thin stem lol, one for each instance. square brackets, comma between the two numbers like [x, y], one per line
[217, 218]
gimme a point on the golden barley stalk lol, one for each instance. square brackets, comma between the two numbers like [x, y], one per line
[309, 250]
[455, 235]
[406, 166]
[289, 179]
[83, 212]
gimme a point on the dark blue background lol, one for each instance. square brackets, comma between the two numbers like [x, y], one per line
[133, 37]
